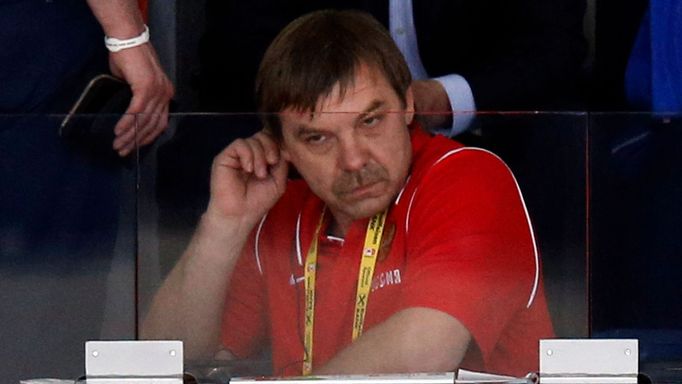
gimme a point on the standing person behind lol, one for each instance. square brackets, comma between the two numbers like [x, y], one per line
[464, 56]
[452, 277]
[50, 82]
[59, 209]
[139, 66]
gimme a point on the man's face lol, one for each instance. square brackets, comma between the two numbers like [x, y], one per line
[353, 151]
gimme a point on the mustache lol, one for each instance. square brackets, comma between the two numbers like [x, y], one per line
[349, 181]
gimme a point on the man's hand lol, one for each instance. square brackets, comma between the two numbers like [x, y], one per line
[247, 179]
[431, 104]
[139, 67]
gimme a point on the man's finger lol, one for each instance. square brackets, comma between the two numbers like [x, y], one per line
[157, 124]
[125, 142]
[269, 146]
[137, 105]
[260, 164]
[144, 119]
[241, 151]
[127, 136]
[124, 127]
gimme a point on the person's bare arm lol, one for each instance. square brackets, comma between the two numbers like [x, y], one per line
[139, 67]
[247, 178]
[412, 340]
[188, 306]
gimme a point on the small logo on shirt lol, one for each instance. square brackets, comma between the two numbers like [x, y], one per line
[384, 279]
[295, 280]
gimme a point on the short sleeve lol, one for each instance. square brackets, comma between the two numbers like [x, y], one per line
[244, 326]
[471, 246]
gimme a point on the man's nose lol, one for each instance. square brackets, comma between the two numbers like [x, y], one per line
[353, 154]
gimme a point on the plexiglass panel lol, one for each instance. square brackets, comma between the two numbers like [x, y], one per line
[173, 194]
[88, 238]
[635, 221]
[546, 153]
[67, 243]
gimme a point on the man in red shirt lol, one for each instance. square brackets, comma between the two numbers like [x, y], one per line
[396, 252]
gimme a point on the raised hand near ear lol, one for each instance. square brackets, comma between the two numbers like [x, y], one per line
[247, 179]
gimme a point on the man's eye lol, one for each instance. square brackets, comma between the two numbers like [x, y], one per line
[371, 121]
[315, 139]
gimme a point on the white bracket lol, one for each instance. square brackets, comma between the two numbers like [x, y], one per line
[575, 361]
[120, 362]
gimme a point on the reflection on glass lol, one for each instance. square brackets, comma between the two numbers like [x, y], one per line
[67, 235]
[636, 213]
[266, 321]
[69, 217]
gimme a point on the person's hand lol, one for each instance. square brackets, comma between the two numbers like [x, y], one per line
[431, 104]
[152, 91]
[247, 179]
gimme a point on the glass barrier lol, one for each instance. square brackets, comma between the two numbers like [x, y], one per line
[67, 242]
[545, 151]
[635, 220]
[87, 238]
[173, 194]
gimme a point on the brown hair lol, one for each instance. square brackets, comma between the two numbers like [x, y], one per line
[318, 50]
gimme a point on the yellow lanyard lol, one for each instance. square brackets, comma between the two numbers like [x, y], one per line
[375, 229]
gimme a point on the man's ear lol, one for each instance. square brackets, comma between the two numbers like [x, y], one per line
[409, 105]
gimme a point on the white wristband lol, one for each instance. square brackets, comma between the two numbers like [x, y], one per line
[115, 45]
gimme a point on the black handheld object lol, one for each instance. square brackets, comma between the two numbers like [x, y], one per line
[91, 121]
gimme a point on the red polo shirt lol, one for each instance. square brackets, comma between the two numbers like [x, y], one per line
[458, 239]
